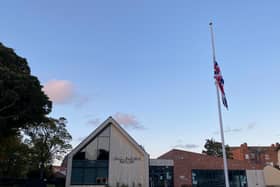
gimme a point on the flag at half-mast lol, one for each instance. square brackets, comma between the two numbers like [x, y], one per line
[220, 82]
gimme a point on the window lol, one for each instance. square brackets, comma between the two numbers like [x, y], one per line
[269, 163]
[215, 178]
[246, 156]
[90, 165]
[266, 157]
[161, 176]
[89, 172]
[252, 155]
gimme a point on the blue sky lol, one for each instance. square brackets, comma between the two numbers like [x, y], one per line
[148, 63]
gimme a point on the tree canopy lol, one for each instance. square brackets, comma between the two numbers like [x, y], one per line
[29, 139]
[48, 140]
[22, 100]
[14, 157]
[214, 148]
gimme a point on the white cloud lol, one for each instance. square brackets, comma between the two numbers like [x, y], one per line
[186, 146]
[229, 130]
[127, 120]
[251, 125]
[81, 101]
[94, 122]
[63, 92]
[59, 91]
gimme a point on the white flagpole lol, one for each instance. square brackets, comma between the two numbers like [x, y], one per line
[220, 113]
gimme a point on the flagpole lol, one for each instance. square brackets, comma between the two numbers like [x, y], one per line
[219, 110]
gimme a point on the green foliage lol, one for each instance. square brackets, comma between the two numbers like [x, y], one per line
[22, 100]
[23, 109]
[14, 157]
[47, 141]
[214, 148]
[33, 157]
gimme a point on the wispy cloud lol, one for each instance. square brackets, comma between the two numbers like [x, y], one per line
[94, 122]
[59, 91]
[251, 125]
[186, 146]
[229, 130]
[81, 101]
[128, 120]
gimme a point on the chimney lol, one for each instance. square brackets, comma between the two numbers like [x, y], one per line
[244, 145]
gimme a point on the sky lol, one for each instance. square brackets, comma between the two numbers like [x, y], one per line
[149, 65]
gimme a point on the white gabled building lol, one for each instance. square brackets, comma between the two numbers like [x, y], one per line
[108, 156]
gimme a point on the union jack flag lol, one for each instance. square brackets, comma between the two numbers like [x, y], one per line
[220, 82]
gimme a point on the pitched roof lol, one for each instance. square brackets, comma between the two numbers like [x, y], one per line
[198, 160]
[109, 121]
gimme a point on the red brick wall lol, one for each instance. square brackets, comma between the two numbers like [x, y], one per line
[263, 154]
[237, 154]
[185, 161]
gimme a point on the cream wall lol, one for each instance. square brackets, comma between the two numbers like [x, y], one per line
[126, 173]
[255, 178]
[272, 176]
[128, 162]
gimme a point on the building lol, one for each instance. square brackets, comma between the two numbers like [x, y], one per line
[194, 169]
[161, 172]
[272, 176]
[59, 171]
[263, 155]
[108, 156]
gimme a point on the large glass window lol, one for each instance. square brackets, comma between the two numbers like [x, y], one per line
[90, 165]
[215, 178]
[161, 176]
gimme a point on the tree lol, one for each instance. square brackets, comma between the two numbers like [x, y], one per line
[48, 140]
[214, 148]
[14, 157]
[22, 100]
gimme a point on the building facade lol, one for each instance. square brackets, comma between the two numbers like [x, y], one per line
[108, 156]
[263, 155]
[161, 172]
[199, 170]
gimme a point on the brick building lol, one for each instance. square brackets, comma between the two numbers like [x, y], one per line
[110, 156]
[186, 163]
[263, 155]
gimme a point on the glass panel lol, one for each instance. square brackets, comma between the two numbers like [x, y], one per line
[79, 156]
[103, 143]
[97, 149]
[103, 148]
[161, 176]
[77, 176]
[89, 172]
[91, 150]
[90, 165]
[78, 163]
[102, 176]
[215, 178]
[90, 175]
[102, 172]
